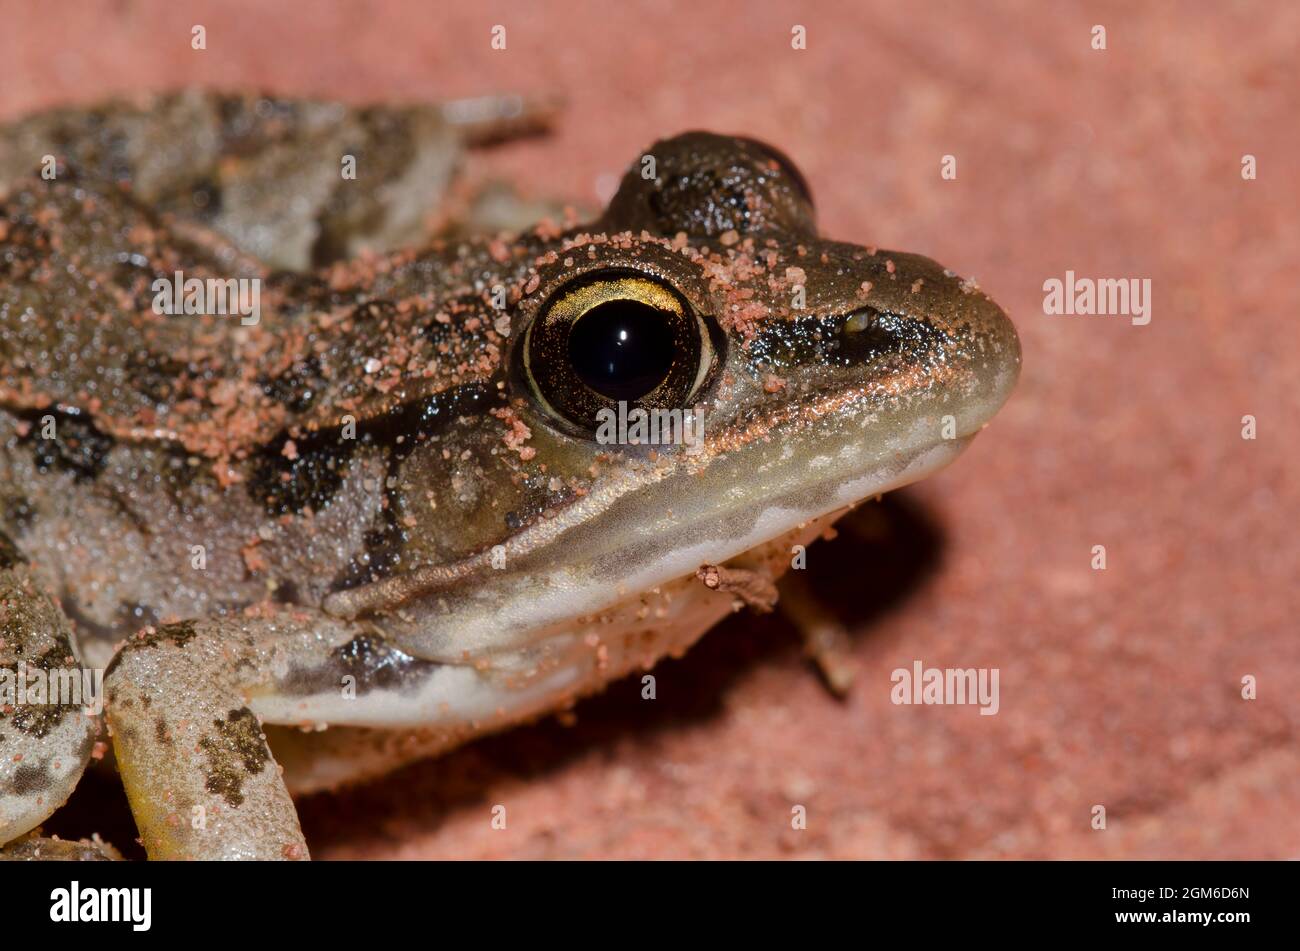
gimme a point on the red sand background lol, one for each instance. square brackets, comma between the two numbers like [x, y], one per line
[1119, 687]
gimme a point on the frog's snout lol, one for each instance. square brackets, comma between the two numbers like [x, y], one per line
[982, 350]
[943, 333]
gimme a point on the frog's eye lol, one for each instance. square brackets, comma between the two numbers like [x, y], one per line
[620, 338]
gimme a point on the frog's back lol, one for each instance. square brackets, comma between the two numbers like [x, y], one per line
[120, 420]
[85, 327]
[78, 330]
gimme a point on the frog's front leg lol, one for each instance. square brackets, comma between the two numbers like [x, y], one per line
[196, 767]
[44, 747]
[186, 703]
[195, 763]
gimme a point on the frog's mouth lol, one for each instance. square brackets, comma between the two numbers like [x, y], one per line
[625, 593]
[644, 531]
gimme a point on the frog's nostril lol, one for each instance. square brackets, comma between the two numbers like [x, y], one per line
[862, 320]
[867, 333]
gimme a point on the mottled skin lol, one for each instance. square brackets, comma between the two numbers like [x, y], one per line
[398, 537]
[267, 173]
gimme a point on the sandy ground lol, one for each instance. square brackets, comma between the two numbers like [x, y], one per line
[1119, 688]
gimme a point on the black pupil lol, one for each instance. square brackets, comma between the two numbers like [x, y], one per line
[622, 349]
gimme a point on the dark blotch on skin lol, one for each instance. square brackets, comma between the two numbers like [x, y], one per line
[396, 434]
[206, 199]
[287, 592]
[180, 634]
[39, 719]
[78, 447]
[381, 555]
[29, 779]
[235, 750]
[161, 733]
[9, 554]
[298, 387]
[374, 664]
[288, 486]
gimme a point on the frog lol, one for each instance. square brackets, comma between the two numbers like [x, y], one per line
[393, 514]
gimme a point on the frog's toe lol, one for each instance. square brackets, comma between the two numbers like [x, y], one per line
[46, 737]
[825, 639]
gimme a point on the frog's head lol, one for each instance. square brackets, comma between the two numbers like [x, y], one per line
[823, 373]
